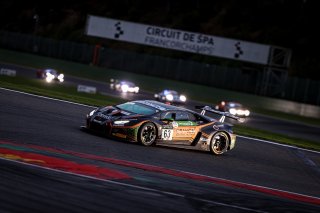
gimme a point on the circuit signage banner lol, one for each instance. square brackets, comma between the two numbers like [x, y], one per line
[177, 39]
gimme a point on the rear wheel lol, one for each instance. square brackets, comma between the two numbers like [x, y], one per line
[219, 143]
[147, 134]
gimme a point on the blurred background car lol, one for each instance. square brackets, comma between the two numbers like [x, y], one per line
[170, 97]
[234, 108]
[50, 75]
[123, 86]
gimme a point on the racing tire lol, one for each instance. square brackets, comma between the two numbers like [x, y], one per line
[147, 134]
[219, 143]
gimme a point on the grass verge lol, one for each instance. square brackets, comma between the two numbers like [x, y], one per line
[62, 92]
[70, 93]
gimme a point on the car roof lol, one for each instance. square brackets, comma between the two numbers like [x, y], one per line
[160, 106]
[50, 70]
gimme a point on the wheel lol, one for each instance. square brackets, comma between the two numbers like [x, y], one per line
[219, 143]
[147, 134]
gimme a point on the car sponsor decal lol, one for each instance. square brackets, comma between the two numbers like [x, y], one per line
[152, 105]
[185, 132]
[215, 127]
[175, 124]
[186, 123]
[167, 126]
[107, 117]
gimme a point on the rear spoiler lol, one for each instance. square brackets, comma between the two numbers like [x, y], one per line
[204, 109]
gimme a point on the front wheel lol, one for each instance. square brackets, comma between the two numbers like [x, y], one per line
[147, 134]
[219, 143]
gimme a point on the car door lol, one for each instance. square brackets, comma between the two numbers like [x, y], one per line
[181, 128]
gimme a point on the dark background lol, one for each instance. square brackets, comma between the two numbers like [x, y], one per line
[287, 23]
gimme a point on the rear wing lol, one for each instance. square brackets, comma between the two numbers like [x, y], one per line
[205, 109]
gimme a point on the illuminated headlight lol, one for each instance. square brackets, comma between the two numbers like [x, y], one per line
[169, 97]
[136, 89]
[124, 88]
[92, 112]
[61, 77]
[156, 95]
[246, 112]
[183, 98]
[121, 122]
[233, 111]
[49, 77]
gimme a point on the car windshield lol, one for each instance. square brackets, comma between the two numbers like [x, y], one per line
[172, 92]
[130, 84]
[234, 105]
[137, 108]
[53, 72]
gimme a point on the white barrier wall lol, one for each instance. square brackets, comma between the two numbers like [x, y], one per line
[8, 72]
[291, 107]
[177, 39]
[86, 89]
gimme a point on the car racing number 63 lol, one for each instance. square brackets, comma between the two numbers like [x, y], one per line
[167, 134]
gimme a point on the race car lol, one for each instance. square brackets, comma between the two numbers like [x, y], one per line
[234, 108]
[123, 86]
[150, 122]
[170, 97]
[50, 75]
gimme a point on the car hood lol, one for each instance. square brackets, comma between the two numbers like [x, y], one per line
[112, 113]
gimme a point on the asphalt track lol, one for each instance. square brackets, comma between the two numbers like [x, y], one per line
[286, 127]
[254, 177]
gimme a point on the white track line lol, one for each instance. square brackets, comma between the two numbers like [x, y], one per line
[44, 97]
[278, 144]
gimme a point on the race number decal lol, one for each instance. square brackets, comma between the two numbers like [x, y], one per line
[167, 134]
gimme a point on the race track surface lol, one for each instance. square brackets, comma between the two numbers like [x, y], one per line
[41, 144]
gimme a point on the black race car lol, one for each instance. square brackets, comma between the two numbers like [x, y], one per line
[151, 122]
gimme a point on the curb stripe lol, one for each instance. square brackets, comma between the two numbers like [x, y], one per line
[187, 175]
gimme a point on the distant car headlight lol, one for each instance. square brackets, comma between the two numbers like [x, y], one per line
[233, 111]
[136, 89]
[124, 88]
[169, 97]
[121, 122]
[61, 77]
[49, 77]
[246, 112]
[183, 98]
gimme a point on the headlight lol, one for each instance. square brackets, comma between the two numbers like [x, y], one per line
[61, 77]
[124, 88]
[49, 77]
[121, 122]
[183, 98]
[233, 111]
[91, 113]
[246, 112]
[136, 89]
[169, 97]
